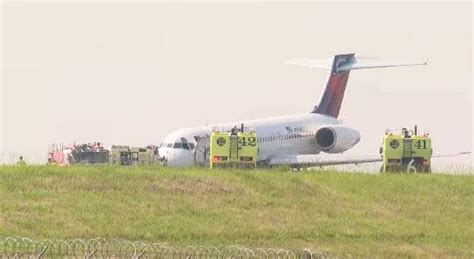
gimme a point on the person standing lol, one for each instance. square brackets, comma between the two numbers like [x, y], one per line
[21, 161]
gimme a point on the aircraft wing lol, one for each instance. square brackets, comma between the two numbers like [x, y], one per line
[318, 160]
[328, 160]
[454, 154]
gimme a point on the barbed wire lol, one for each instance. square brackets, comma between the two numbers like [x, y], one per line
[18, 247]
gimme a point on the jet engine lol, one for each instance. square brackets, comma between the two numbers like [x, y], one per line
[336, 138]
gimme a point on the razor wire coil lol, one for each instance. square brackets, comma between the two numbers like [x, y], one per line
[17, 247]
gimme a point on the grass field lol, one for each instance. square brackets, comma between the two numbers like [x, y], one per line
[357, 214]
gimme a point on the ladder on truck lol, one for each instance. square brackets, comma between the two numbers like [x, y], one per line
[407, 150]
[234, 147]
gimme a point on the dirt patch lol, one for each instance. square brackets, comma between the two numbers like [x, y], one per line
[421, 251]
[385, 211]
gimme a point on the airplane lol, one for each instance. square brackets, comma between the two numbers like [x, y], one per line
[294, 140]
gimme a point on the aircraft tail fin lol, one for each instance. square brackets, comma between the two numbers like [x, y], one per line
[340, 67]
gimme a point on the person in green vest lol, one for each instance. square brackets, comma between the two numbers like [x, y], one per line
[21, 161]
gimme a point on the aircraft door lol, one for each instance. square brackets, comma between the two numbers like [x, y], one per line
[201, 152]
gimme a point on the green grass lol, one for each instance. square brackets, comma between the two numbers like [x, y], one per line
[358, 214]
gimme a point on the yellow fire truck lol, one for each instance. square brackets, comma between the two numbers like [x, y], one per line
[125, 155]
[237, 148]
[406, 151]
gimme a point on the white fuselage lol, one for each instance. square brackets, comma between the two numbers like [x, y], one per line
[277, 136]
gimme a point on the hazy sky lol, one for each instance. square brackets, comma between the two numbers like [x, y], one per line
[130, 73]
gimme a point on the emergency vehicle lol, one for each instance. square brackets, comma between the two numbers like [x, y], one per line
[235, 148]
[125, 155]
[78, 154]
[406, 151]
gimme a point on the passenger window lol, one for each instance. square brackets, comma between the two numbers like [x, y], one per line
[191, 146]
[178, 145]
[169, 145]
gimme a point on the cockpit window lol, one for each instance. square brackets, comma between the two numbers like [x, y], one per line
[178, 145]
[191, 146]
[169, 145]
[186, 146]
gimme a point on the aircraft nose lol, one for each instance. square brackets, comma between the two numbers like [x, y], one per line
[170, 158]
[164, 160]
[164, 155]
[179, 158]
